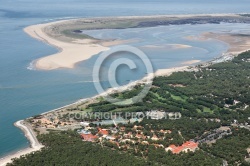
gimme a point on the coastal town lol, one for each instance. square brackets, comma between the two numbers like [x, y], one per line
[119, 136]
[128, 136]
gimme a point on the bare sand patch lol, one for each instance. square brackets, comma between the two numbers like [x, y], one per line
[190, 62]
[167, 46]
[167, 72]
[117, 42]
[70, 53]
[238, 43]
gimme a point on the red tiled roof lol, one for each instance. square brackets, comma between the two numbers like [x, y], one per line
[89, 137]
[103, 132]
[138, 135]
[189, 144]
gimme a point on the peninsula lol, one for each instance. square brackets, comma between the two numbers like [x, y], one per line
[74, 46]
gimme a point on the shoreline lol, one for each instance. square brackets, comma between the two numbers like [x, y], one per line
[29, 133]
[34, 144]
[68, 54]
[76, 47]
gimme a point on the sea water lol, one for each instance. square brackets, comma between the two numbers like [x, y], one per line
[25, 92]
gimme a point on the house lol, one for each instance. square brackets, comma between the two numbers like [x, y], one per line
[103, 132]
[89, 137]
[110, 137]
[165, 131]
[187, 146]
[140, 136]
[169, 131]
[137, 127]
[84, 124]
[83, 131]
[122, 129]
[155, 138]
[128, 141]
[158, 145]
[144, 143]
[113, 130]
[128, 135]
[248, 151]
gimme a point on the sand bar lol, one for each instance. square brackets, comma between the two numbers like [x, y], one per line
[237, 42]
[70, 53]
[75, 47]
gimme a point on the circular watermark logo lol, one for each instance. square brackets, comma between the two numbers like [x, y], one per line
[146, 82]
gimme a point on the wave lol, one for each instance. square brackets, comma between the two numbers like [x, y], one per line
[32, 65]
[60, 18]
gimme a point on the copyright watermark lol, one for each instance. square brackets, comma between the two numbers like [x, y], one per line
[126, 115]
[146, 82]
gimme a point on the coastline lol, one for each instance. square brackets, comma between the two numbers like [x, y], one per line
[68, 53]
[29, 133]
[74, 47]
[34, 144]
[64, 51]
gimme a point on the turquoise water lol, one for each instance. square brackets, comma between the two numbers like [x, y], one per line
[24, 93]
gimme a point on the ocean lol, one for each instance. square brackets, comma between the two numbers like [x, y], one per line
[25, 92]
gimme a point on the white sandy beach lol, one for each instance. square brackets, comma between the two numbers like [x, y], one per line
[70, 53]
[80, 50]
[35, 145]
[167, 72]
[191, 62]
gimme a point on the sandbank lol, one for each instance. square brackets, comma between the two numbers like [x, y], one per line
[75, 47]
[70, 53]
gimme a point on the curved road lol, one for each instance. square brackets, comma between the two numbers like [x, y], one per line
[29, 133]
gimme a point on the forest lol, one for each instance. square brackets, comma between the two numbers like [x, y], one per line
[66, 148]
[218, 91]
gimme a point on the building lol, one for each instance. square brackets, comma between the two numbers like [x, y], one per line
[89, 137]
[187, 146]
[155, 138]
[84, 124]
[110, 137]
[103, 132]
[82, 131]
